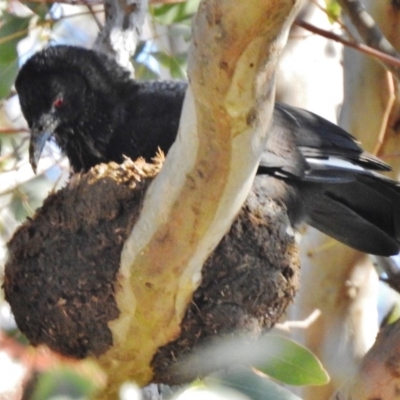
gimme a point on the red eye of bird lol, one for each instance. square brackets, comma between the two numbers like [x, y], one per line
[58, 102]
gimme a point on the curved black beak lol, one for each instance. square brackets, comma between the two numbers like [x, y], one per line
[40, 133]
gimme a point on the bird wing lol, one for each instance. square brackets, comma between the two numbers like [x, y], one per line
[302, 144]
[326, 180]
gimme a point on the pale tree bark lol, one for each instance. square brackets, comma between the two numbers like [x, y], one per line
[368, 91]
[310, 72]
[371, 111]
[204, 181]
[342, 284]
[369, 31]
[378, 376]
[337, 280]
[123, 27]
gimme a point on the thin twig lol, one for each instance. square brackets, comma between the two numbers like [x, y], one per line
[370, 32]
[388, 109]
[304, 324]
[385, 58]
[337, 20]
[93, 14]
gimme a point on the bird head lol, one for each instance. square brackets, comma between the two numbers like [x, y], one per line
[60, 89]
[50, 104]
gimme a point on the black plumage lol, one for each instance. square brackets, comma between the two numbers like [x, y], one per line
[97, 113]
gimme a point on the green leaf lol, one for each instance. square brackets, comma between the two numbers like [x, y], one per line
[8, 73]
[62, 381]
[41, 9]
[12, 30]
[179, 66]
[143, 72]
[168, 14]
[291, 363]
[255, 387]
[176, 64]
[333, 10]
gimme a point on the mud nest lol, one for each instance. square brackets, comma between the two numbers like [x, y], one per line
[63, 264]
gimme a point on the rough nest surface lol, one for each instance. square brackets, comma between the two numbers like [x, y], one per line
[247, 283]
[63, 264]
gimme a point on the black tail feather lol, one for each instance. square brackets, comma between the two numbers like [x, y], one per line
[363, 214]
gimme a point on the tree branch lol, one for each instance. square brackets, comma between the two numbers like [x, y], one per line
[204, 181]
[386, 59]
[122, 29]
[370, 32]
[378, 377]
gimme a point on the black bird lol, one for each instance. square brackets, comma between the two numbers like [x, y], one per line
[97, 113]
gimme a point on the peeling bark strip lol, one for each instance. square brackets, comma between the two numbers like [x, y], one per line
[60, 279]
